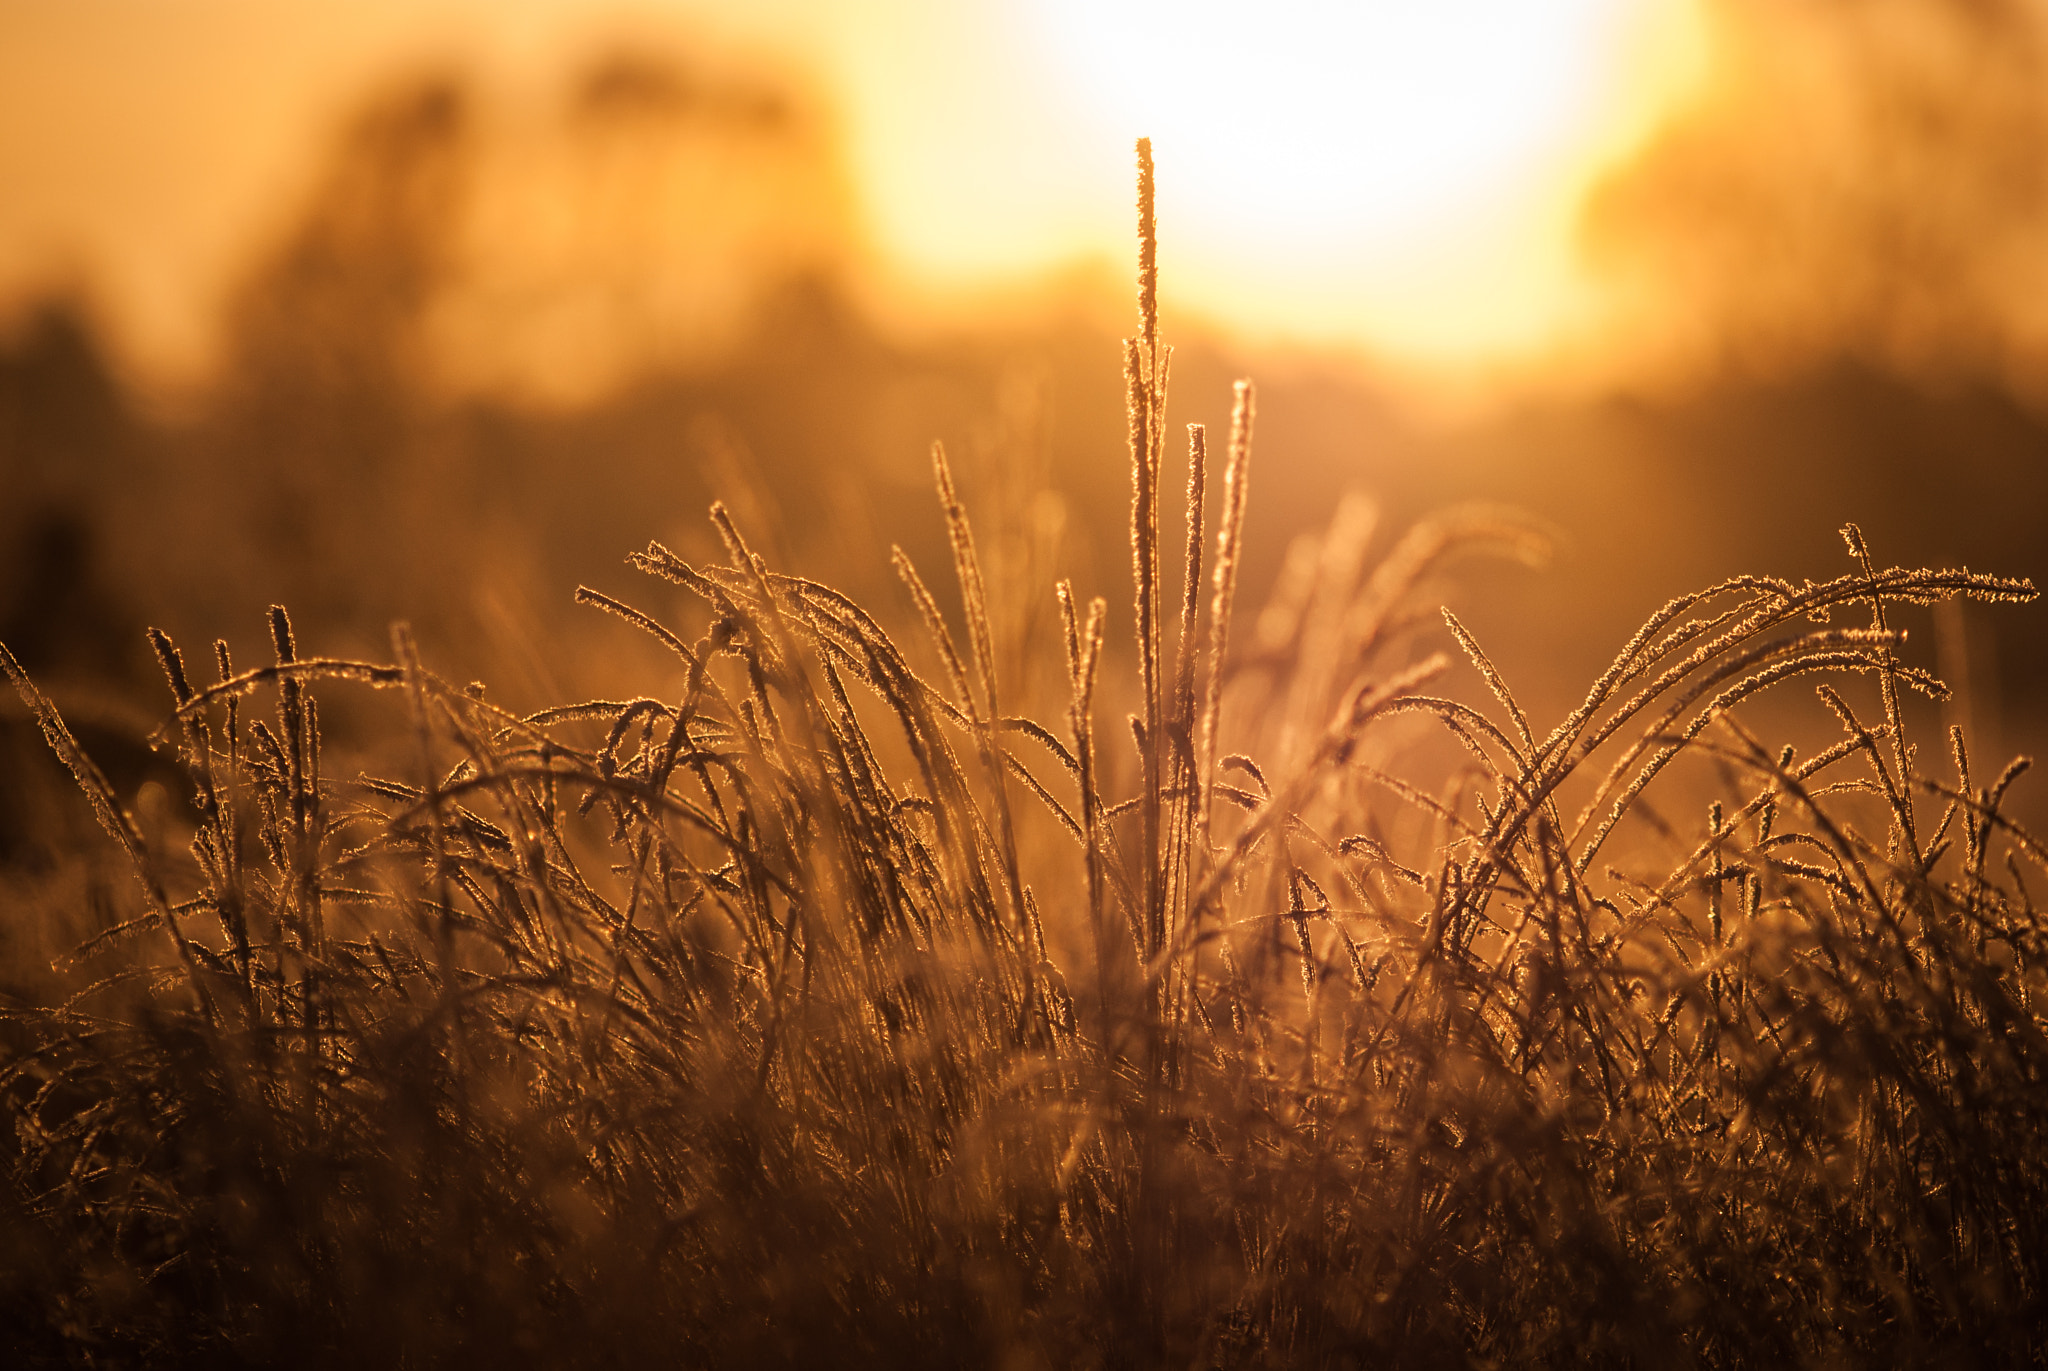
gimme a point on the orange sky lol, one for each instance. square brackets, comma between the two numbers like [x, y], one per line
[1403, 178]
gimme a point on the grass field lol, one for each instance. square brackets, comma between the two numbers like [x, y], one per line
[817, 1008]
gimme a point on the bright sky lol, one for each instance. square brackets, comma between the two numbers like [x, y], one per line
[1383, 173]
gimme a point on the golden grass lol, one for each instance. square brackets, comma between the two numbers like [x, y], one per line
[819, 1012]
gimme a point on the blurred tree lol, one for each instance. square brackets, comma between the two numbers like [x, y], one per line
[1866, 177]
[67, 456]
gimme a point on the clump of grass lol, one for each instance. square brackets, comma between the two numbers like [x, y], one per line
[818, 1011]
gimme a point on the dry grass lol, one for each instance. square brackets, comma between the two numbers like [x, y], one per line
[820, 1012]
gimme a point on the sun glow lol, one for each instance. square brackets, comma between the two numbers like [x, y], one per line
[1307, 122]
[1401, 175]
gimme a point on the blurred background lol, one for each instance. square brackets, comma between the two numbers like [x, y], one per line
[433, 309]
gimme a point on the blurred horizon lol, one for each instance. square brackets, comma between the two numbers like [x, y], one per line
[1410, 195]
[1490, 201]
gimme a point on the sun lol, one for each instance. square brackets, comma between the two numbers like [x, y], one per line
[1310, 120]
[1399, 171]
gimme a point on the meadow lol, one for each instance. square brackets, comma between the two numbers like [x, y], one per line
[1149, 983]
